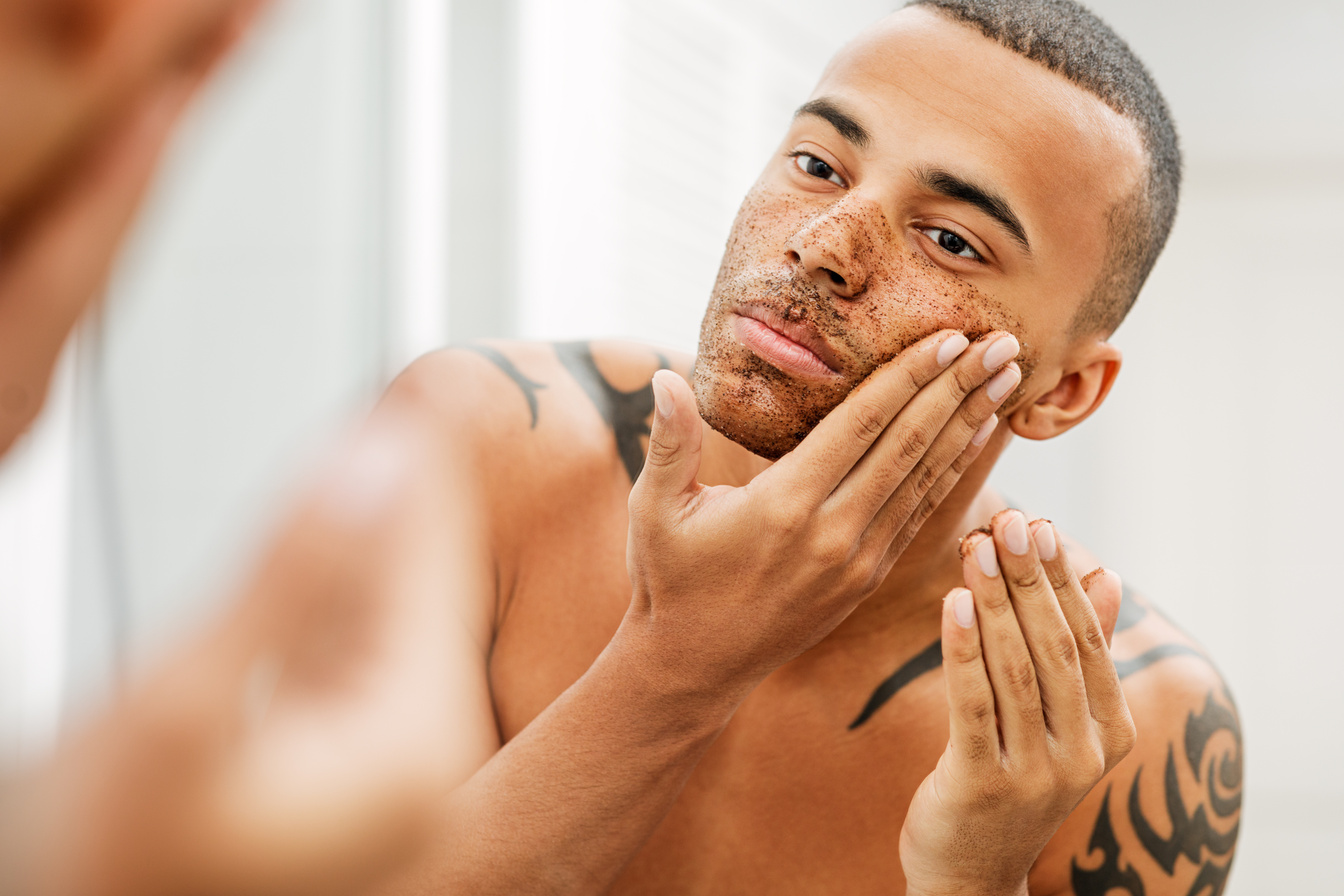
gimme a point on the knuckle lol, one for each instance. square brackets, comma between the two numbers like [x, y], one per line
[661, 452]
[1092, 640]
[1020, 677]
[1063, 649]
[1030, 579]
[1120, 737]
[967, 378]
[834, 552]
[978, 746]
[867, 421]
[924, 477]
[911, 442]
[1058, 575]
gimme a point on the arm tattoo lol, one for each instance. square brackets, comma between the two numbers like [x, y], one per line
[500, 360]
[1205, 837]
[1111, 876]
[626, 413]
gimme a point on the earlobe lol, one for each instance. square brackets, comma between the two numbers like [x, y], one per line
[1079, 392]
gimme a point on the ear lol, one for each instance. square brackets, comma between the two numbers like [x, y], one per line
[1079, 392]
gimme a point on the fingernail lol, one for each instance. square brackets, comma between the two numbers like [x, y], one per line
[985, 430]
[986, 557]
[1004, 381]
[364, 479]
[662, 396]
[1015, 534]
[1004, 349]
[952, 348]
[1045, 541]
[963, 607]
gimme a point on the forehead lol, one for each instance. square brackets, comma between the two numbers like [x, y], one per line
[931, 91]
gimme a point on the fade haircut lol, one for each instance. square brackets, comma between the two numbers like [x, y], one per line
[1071, 41]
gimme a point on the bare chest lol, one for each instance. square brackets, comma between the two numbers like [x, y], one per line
[805, 791]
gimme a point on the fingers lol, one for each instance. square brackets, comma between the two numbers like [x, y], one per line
[672, 464]
[917, 494]
[1045, 647]
[933, 427]
[54, 268]
[973, 729]
[837, 443]
[1036, 591]
[1008, 661]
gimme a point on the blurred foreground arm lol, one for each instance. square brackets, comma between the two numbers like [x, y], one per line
[299, 744]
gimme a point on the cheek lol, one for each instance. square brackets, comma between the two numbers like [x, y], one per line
[908, 298]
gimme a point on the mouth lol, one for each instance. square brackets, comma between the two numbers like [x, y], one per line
[793, 347]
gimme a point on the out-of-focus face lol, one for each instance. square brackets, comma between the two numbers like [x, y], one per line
[934, 179]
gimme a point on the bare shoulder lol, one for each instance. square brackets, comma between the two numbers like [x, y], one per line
[1165, 820]
[536, 408]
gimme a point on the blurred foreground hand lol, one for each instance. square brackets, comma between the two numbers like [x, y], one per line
[89, 92]
[301, 744]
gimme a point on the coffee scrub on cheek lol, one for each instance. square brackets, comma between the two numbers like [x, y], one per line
[891, 297]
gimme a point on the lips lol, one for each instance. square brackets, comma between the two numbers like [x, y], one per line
[794, 347]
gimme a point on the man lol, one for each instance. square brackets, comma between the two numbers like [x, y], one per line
[705, 672]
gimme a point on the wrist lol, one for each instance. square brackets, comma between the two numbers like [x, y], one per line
[699, 692]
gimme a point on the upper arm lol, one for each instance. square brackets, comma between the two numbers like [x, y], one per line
[1164, 822]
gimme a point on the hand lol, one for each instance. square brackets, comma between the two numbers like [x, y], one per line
[89, 93]
[733, 582]
[301, 745]
[1037, 714]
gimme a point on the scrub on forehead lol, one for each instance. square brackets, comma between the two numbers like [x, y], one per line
[905, 297]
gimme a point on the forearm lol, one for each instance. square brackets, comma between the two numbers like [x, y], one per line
[567, 803]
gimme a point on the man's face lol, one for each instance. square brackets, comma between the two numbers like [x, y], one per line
[935, 179]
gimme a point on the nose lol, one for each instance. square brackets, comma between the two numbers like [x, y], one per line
[835, 248]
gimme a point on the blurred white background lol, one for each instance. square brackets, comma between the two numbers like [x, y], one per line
[372, 178]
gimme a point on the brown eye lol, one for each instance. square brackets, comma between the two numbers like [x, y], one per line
[951, 242]
[815, 167]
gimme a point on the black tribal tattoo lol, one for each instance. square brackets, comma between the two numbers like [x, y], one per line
[1205, 837]
[626, 413]
[500, 360]
[931, 657]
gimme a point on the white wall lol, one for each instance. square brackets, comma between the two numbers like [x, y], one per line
[1212, 478]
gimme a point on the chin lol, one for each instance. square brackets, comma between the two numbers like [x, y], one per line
[758, 407]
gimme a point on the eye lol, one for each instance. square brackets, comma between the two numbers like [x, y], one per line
[815, 167]
[951, 242]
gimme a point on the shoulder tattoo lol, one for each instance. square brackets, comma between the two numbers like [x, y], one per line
[1201, 839]
[627, 413]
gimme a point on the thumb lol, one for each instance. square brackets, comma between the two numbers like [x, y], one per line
[673, 461]
[1104, 590]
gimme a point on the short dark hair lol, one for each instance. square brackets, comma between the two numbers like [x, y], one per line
[1071, 40]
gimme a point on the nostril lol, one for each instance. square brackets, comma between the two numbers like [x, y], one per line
[794, 257]
[836, 278]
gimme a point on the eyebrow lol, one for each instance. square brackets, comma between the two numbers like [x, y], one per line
[945, 183]
[844, 122]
